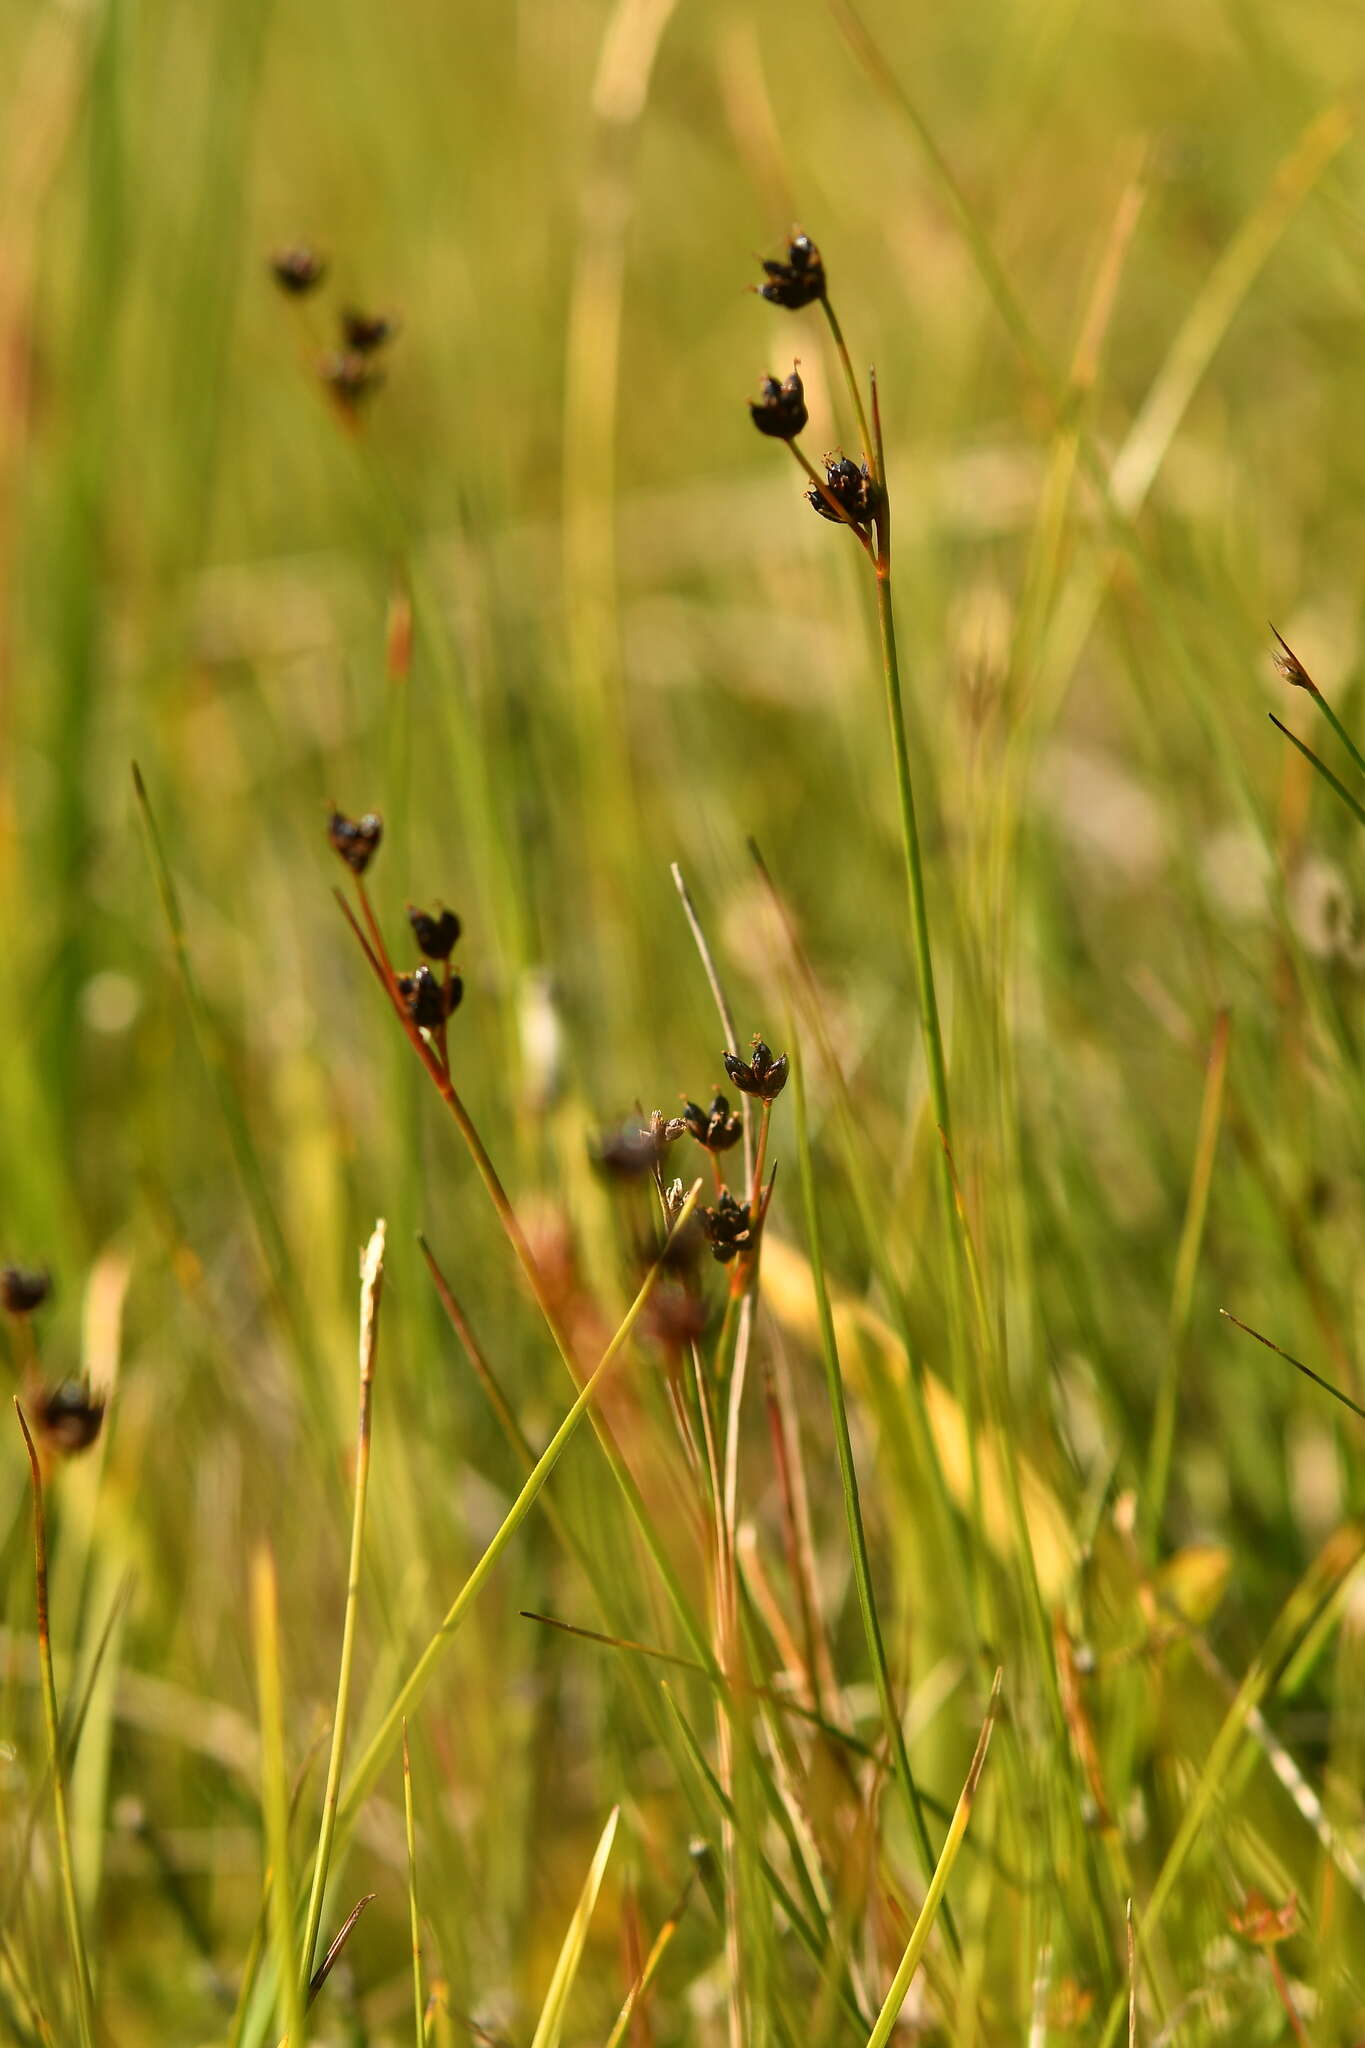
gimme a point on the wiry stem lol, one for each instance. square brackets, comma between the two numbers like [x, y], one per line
[80, 1966]
[371, 1283]
[870, 451]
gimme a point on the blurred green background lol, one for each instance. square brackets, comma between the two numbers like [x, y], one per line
[1077, 241]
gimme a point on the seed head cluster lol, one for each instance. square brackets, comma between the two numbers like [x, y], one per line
[780, 411]
[797, 281]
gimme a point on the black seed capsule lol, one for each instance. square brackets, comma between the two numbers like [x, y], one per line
[355, 839]
[798, 282]
[435, 933]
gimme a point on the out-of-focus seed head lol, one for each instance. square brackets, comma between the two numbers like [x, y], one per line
[23, 1289]
[363, 333]
[68, 1417]
[763, 1073]
[675, 1315]
[851, 486]
[351, 378]
[727, 1228]
[435, 932]
[355, 839]
[627, 1153]
[428, 1001]
[780, 411]
[800, 280]
[1257, 1921]
[298, 269]
[717, 1128]
[1292, 669]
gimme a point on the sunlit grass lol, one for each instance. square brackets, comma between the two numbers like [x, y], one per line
[545, 601]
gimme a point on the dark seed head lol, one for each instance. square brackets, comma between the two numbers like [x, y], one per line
[68, 1417]
[800, 281]
[22, 1290]
[297, 270]
[781, 411]
[627, 1153]
[717, 1128]
[435, 933]
[429, 1002]
[851, 487]
[355, 839]
[764, 1074]
[350, 376]
[363, 333]
[727, 1228]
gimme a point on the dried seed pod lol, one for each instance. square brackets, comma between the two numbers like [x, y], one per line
[23, 1289]
[435, 932]
[800, 281]
[428, 1001]
[1292, 669]
[717, 1128]
[728, 1228]
[363, 333]
[781, 410]
[297, 270]
[763, 1074]
[68, 1417]
[355, 839]
[853, 490]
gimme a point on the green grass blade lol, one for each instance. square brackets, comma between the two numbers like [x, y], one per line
[371, 1286]
[550, 2025]
[938, 1884]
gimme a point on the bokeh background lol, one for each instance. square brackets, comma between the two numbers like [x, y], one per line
[554, 609]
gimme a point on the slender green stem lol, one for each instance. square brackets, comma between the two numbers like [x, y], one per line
[848, 1477]
[871, 453]
[1339, 729]
[371, 1284]
[1182, 1288]
[1334, 782]
[292, 2001]
[933, 1898]
[914, 861]
[80, 1964]
[414, 1918]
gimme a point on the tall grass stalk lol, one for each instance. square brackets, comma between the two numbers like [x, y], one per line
[371, 1286]
[848, 1480]
[934, 1898]
[75, 1936]
[291, 1992]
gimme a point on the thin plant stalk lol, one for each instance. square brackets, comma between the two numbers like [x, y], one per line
[1182, 1291]
[414, 1918]
[275, 1794]
[80, 1964]
[371, 1286]
[726, 1014]
[848, 1479]
[648, 1972]
[873, 454]
[933, 1898]
[1334, 782]
[905, 793]
[413, 1687]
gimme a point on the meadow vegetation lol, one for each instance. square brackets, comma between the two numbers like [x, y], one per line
[787, 1570]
